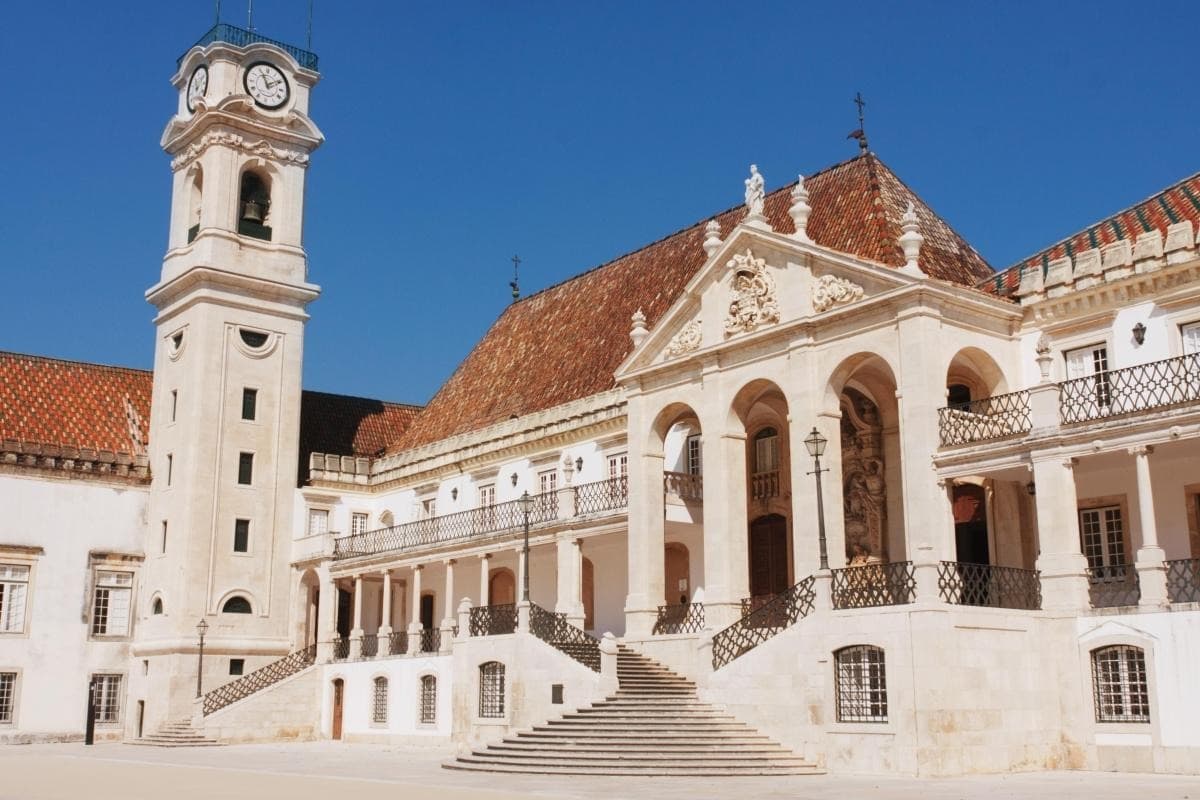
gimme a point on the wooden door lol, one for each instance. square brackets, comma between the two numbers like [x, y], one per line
[768, 555]
[338, 688]
[502, 588]
[588, 592]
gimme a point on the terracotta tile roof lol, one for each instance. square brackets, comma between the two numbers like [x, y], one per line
[69, 403]
[566, 342]
[349, 426]
[1177, 203]
[73, 404]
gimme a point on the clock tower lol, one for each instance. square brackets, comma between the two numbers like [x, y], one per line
[231, 308]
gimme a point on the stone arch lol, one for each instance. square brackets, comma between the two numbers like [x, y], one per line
[238, 599]
[156, 604]
[677, 574]
[588, 593]
[308, 600]
[502, 587]
[976, 371]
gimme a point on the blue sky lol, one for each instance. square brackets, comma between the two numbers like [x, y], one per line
[570, 133]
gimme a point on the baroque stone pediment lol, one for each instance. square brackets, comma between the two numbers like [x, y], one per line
[830, 291]
[752, 302]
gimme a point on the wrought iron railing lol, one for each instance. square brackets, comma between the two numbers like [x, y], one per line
[606, 495]
[763, 623]
[682, 618]
[431, 640]
[370, 645]
[1159, 384]
[1113, 585]
[398, 642]
[554, 630]
[448, 528]
[987, 585]
[988, 418]
[1183, 580]
[240, 37]
[259, 679]
[752, 604]
[869, 585]
[684, 485]
[341, 648]
[494, 620]
[764, 484]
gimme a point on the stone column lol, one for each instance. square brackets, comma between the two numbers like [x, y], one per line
[385, 618]
[1150, 561]
[1061, 563]
[448, 619]
[414, 624]
[356, 633]
[326, 618]
[726, 529]
[521, 567]
[646, 540]
[485, 562]
[569, 598]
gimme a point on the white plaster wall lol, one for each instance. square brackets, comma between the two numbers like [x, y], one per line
[609, 556]
[55, 655]
[404, 693]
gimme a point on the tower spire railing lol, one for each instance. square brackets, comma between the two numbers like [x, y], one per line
[240, 37]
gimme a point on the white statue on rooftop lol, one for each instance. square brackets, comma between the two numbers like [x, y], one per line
[755, 193]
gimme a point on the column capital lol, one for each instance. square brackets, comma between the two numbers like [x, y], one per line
[385, 572]
[418, 567]
[1140, 450]
[450, 561]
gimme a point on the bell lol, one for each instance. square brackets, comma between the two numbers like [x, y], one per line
[252, 211]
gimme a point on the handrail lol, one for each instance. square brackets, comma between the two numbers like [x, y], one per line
[1115, 392]
[258, 680]
[680, 618]
[684, 485]
[240, 37]
[964, 584]
[992, 417]
[493, 620]
[554, 630]
[769, 619]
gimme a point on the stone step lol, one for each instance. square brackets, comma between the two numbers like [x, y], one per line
[641, 725]
[608, 712]
[637, 719]
[642, 739]
[657, 770]
[636, 757]
[673, 747]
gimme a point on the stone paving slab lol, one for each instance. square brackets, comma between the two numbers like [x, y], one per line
[332, 771]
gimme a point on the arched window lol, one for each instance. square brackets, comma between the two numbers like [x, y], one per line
[157, 606]
[236, 605]
[1119, 684]
[491, 689]
[427, 712]
[254, 205]
[379, 701]
[195, 196]
[861, 684]
[766, 450]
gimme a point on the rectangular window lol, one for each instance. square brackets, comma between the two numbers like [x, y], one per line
[249, 403]
[487, 496]
[14, 586]
[1191, 338]
[358, 523]
[428, 709]
[693, 454]
[110, 605]
[241, 536]
[1091, 362]
[1119, 684]
[170, 467]
[174, 403]
[548, 481]
[861, 684]
[429, 508]
[318, 521]
[237, 666]
[107, 698]
[379, 701]
[163, 549]
[618, 465]
[245, 468]
[8, 696]
[1102, 538]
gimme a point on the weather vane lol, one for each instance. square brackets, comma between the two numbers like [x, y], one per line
[860, 132]
[516, 289]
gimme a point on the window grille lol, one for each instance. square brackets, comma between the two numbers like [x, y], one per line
[428, 709]
[379, 709]
[491, 690]
[8, 691]
[861, 684]
[358, 523]
[14, 586]
[110, 607]
[107, 698]
[1119, 684]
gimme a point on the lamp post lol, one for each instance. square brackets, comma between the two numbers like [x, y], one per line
[816, 448]
[201, 628]
[526, 503]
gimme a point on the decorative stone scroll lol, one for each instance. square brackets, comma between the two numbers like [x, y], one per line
[753, 303]
[830, 291]
[687, 340]
[259, 148]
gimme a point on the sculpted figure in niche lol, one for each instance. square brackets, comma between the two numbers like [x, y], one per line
[864, 491]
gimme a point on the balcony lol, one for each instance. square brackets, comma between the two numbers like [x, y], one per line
[240, 37]
[1183, 580]
[1159, 384]
[496, 620]
[764, 485]
[1114, 585]
[982, 420]
[683, 486]
[873, 585]
[681, 618]
[987, 585]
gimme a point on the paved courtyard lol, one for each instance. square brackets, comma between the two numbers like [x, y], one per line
[366, 772]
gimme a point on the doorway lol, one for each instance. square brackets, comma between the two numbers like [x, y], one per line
[502, 587]
[141, 718]
[970, 524]
[588, 592]
[426, 611]
[676, 569]
[768, 555]
[338, 691]
[343, 613]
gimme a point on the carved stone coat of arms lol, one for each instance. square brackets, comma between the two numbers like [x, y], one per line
[753, 303]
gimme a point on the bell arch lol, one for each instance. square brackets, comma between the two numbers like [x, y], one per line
[972, 374]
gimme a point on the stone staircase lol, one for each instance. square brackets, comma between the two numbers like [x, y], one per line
[180, 733]
[654, 725]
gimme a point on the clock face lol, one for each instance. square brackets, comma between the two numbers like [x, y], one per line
[197, 86]
[266, 84]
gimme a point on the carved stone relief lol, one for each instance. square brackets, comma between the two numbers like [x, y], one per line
[259, 148]
[830, 291]
[687, 340]
[753, 303]
[864, 493]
